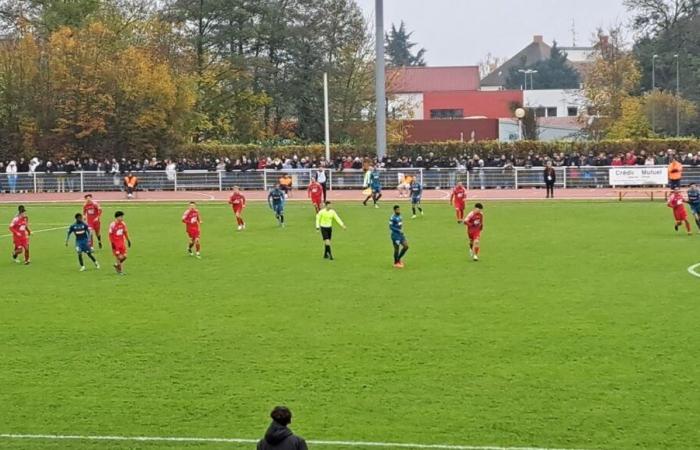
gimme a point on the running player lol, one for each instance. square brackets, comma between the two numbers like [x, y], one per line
[324, 223]
[398, 239]
[475, 223]
[93, 213]
[19, 227]
[676, 202]
[694, 202]
[237, 202]
[119, 238]
[192, 220]
[315, 193]
[83, 241]
[416, 190]
[374, 183]
[276, 201]
[459, 199]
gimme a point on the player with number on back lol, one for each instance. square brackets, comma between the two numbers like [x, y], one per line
[398, 239]
[237, 202]
[192, 221]
[677, 203]
[119, 238]
[475, 224]
[458, 198]
[416, 190]
[315, 193]
[276, 201]
[19, 227]
[694, 202]
[83, 241]
[92, 214]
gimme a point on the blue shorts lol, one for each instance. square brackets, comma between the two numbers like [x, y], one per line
[278, 209]
[398, 238]
[376, 189]
[415, 200]
[83, 247]
[695, 208]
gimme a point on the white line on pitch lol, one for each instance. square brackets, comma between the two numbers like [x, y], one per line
[693, 270]
[253, 441]
[39, 231]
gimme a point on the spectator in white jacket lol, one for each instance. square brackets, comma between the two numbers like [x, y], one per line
[11, 172]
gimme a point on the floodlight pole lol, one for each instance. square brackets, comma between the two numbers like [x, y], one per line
[326, 117]
[380, 86]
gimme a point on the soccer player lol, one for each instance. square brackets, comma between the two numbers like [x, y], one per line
[276, 201]
[475, 223]
[324, 223]
[83, 241]
[315, 193]
[676, 202]
[694, 202]
[19, 227]
[119, 238]
[458, 198]
[237, 202]
[416, 190]
[93, 213]
[375, 185]
[192, 220]
[398, 239]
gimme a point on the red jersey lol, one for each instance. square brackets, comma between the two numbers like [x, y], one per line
[315, 191]
[237, 200]
[92, 212]
[676, 201]
[191, 219]
[475, 221]
[19, 227]
[118, 233]
[459, 195]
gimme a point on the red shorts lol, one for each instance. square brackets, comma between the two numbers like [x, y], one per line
[474, 234]
[193, 233]
[119, 249]
[316, 201]
[95, 226]
[459, 206]
[680, 213]
[237, 210]
[21, 243]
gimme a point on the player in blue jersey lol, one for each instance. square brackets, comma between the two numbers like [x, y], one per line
[83, 238]
[694, 202]
[374, 184]
[398, 239]
[276, 201]
[416, 190]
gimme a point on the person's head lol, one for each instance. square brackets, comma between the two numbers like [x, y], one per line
[88, 198]
[119, 216]
[397, 209]
[549, 163]
[129, 174]
[21, 211]
[692, 186]
[676, 190]
[459, 184]
[479, 207]
[328, 205]
[193, 205]
[78, 217]
[236, 189]
[281, 415]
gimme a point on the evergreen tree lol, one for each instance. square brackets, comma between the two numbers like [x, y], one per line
[552, 73]
[399, 48]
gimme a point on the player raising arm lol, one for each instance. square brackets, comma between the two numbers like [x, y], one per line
[475, 223]
[82, 232]
[19, 227]
[276, 201]
[694, 202]
[192, 221]
[92, 213]
[398, 239]
[458, 198]
[676, 202]
[119, 238]
[237, 202]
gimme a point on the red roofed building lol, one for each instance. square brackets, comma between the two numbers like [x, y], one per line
[413, 80]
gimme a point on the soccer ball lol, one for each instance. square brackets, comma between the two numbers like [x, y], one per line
[130, 196]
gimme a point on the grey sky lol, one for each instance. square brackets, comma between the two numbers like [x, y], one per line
[462, 32]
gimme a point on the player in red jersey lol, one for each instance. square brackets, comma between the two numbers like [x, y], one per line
[119, 238]
[192, 220]
[459, 200]
[475, 223]
[677, 202]
[315, 193]
[237, 202]
[92, 212]
[19, 227]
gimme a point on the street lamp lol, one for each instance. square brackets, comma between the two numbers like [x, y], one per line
[678, 95]
[653, 88]
[524, 72]
[532, 81]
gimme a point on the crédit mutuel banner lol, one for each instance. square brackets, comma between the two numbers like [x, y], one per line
[638, 176]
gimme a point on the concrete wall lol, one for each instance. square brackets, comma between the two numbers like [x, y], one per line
[561, 99]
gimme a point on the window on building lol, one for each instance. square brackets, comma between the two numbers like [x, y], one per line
[572, 111]
[552, 112]
[540, 112]
[446, 113]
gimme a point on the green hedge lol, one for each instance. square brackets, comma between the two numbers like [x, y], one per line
[440, 149]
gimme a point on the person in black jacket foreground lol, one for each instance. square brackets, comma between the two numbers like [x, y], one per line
[278, 436]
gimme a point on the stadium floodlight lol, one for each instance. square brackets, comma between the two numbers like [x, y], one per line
[380, 85]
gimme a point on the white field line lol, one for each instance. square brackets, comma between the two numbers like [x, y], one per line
[58, 437]
[39, 231]
[693, 270]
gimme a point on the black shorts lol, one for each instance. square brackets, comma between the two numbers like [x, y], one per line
[674, 184]
[326, 233]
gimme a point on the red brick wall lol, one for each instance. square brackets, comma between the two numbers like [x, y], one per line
[490, 104]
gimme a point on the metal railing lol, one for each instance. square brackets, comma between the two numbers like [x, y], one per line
[433, 178]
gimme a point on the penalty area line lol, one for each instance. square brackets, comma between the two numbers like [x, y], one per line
[38, 231]
[693, 270]
[58, 437]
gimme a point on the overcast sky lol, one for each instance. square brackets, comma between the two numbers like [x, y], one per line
[462, 32]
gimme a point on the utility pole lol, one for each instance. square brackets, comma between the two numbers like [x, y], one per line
[653, 90]
[678, 94]
[380, 86]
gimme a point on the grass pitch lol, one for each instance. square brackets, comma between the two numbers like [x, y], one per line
[578, 328]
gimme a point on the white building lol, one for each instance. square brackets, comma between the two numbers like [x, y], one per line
[555, 102]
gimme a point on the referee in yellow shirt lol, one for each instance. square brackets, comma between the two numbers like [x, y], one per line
[324, 222]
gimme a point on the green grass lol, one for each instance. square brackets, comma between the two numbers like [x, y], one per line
[579, 328]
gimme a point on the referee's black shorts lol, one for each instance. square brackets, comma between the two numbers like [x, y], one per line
[326, 233]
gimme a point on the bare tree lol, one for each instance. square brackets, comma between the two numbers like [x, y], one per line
[654, 16]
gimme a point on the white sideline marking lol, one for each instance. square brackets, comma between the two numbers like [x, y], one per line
[693, 270]
[57, 437]
[38, 231]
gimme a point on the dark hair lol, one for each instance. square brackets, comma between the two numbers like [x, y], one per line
[118, 214]
[282, 415]
[21, 209]
[328, 203]
[479, 206]
[396, 207]
[88, 195]
[78, 216]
